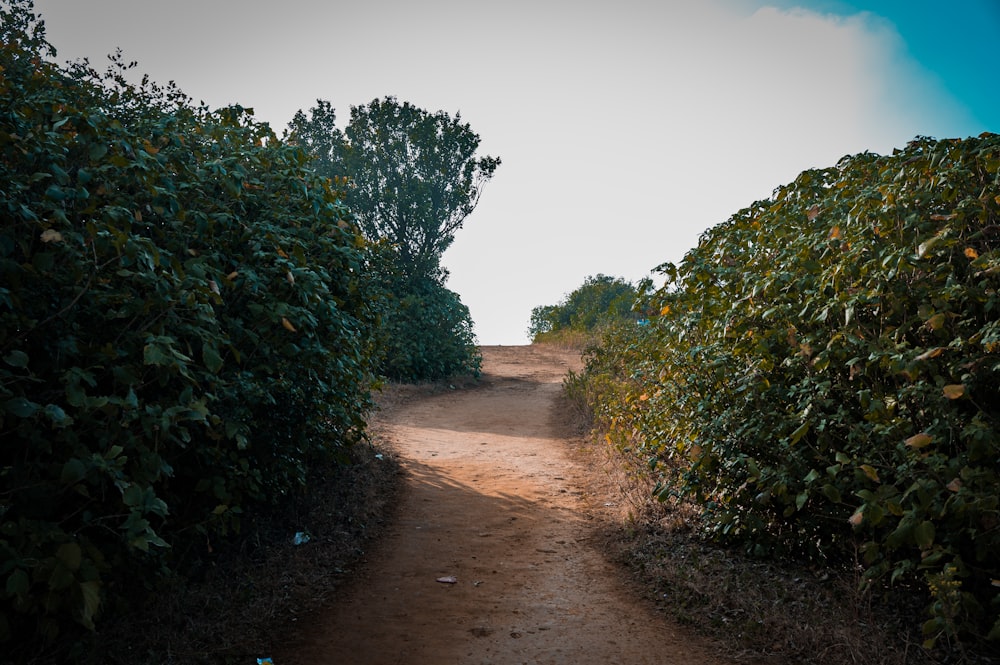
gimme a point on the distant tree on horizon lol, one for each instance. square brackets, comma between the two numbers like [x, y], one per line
[413, 176]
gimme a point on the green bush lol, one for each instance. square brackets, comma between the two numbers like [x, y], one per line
[824, 376]
[600, 302]
[183, 329]
[425, 330]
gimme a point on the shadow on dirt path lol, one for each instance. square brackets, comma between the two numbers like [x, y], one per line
[492, 556]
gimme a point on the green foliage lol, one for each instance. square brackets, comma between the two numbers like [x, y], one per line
[411, 179]
[183, 329]
[599, 302]
[823, 376]
[427, 333]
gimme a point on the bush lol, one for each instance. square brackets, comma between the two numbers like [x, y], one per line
[426, 331]
[823, 376]
[183, 329]
[598, 303]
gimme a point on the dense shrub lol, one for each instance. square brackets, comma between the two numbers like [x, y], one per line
[597, 304]
[183, 329]
[824, 376]
[425, 330]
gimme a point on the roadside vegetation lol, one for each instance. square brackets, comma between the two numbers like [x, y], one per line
[818, 389]
[586, 314]
[194, 315]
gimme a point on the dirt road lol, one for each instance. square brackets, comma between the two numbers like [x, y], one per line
[492, 558]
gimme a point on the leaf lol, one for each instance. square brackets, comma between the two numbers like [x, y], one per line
[870, 471]
[918, 441]
[955, 485]
[18, 583]
[812, 213]
[954, 390]
[213, 361]
[832, 493]
[971, 254]
[71, 555]
[57, 415]
[857, 518]
[936, 321]
[799, 433]
[288, 325]
[90, 592]
[73, 471]
[21, 407]
[51, 235]
[665, 310]
[924, 534]
[16, 359]
[931, 353]
[834, 233]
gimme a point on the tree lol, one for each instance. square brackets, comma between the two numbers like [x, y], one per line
[599, 301]
[414, 175]
[319, 136]
[411, 179]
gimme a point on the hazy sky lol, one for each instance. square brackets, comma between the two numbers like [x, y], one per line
[625, 128]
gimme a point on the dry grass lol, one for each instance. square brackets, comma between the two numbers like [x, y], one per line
[755, 611]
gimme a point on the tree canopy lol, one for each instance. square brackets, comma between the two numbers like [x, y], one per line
[599, 301]
[414, 175]
[410, 178]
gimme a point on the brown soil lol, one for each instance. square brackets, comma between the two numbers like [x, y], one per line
[495, 554]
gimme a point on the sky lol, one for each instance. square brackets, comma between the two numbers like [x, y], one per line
[625, 129]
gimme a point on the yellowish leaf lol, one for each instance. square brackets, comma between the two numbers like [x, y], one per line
[282, 254]
[233, 275]
[870, 471]
[665, 310]
[51, 235]
[918, 441]
[288, 325]
[835, 233]
[138, 215]
[971, 254]
[936, 322]
[857, 518]
[943, 218]
[643, 397]
[954, 390]
[931, 353]
[148, 147]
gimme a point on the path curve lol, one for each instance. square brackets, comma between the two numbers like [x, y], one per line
[491, 559]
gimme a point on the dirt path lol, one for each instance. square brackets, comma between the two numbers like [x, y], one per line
[494, 507]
